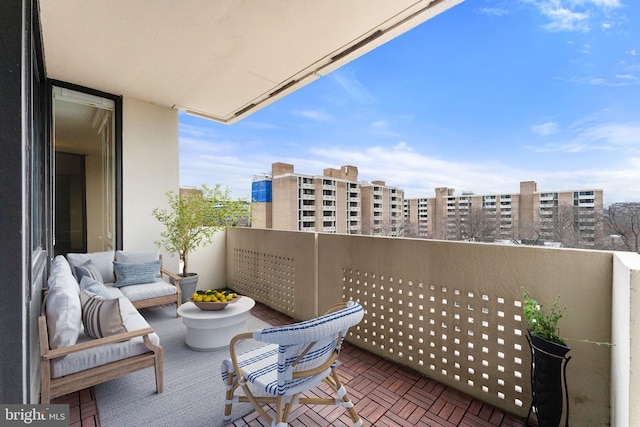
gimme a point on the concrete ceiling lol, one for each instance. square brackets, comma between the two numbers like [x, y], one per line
[221, 59]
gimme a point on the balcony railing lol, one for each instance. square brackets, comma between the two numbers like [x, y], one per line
[452, 310]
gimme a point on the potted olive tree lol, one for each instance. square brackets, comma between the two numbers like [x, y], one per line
[191, 220]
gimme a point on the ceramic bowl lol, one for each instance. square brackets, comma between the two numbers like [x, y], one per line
[213, 306]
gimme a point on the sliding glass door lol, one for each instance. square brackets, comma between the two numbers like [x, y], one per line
[86, 163]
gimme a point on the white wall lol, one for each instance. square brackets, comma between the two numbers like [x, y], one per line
[625, 383]
[150, 168]
[210, 263]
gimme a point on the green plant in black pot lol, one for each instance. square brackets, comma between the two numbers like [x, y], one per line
[541, 324]
[550, 396]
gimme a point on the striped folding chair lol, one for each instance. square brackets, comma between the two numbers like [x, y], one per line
[295, 358]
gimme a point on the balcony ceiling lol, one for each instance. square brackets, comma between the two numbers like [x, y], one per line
[222, 59]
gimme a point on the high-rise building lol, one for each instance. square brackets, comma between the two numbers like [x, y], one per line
[570, 217]
[335, 202]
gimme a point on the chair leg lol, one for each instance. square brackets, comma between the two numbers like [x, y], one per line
[341, 393]
[288, 407]
[257, 405]
[231, 387]
[280, 412]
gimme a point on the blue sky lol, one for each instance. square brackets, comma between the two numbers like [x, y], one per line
[479, 98]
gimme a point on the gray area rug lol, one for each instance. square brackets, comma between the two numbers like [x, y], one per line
[193, 395]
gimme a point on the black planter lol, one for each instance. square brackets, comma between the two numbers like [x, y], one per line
[548, 381]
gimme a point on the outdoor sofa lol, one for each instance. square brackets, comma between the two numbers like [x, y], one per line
[91, 332]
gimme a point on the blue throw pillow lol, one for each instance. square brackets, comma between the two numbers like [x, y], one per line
[135, 274]
[93, 286]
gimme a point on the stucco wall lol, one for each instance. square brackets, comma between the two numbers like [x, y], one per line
[150, 168]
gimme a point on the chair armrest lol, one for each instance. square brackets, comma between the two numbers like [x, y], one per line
[63, 351]
[171, 274]
[232, 347]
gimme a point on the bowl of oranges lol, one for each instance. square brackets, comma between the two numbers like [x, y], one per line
[214, 299]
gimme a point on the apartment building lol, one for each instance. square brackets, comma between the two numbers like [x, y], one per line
[570, 217]
[334, 202]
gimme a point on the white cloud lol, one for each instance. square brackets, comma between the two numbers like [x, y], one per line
[402, 146]
[382, 128]
[209, 160]
[354, 88]
[380, 124]
[603, 3]
[545, 129]
[575, 15]
[599, 137]
[566, 20]
[494, 11]
[625, 76]
[314, 115]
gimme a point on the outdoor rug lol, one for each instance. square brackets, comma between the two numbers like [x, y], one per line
[193, 395]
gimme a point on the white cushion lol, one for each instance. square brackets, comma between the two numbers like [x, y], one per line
[133, 257]
[62, 306]
[139, 292]
[93, 357]
[103, 261]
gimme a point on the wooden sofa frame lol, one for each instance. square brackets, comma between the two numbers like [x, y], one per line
[55, 387]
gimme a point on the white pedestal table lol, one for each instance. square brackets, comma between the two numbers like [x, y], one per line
[210, 330]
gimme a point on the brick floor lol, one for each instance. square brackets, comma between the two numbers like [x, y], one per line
[384, 393]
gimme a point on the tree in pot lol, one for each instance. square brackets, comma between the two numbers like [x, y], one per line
[192, 219]
[548, 364]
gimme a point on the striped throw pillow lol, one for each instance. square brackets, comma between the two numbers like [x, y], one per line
[101, 316]
[88, 270]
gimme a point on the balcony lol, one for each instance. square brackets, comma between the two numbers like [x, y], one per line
[451, 311]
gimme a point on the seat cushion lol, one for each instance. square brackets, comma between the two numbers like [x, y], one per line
[260, 368]
[93, 357]
[157, 288]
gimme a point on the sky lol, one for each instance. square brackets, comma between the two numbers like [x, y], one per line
[486, 95]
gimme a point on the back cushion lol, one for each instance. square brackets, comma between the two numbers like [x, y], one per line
[139, 257]
[62, 306]
[102, 261]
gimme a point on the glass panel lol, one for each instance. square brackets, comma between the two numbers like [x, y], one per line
[84, 127]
